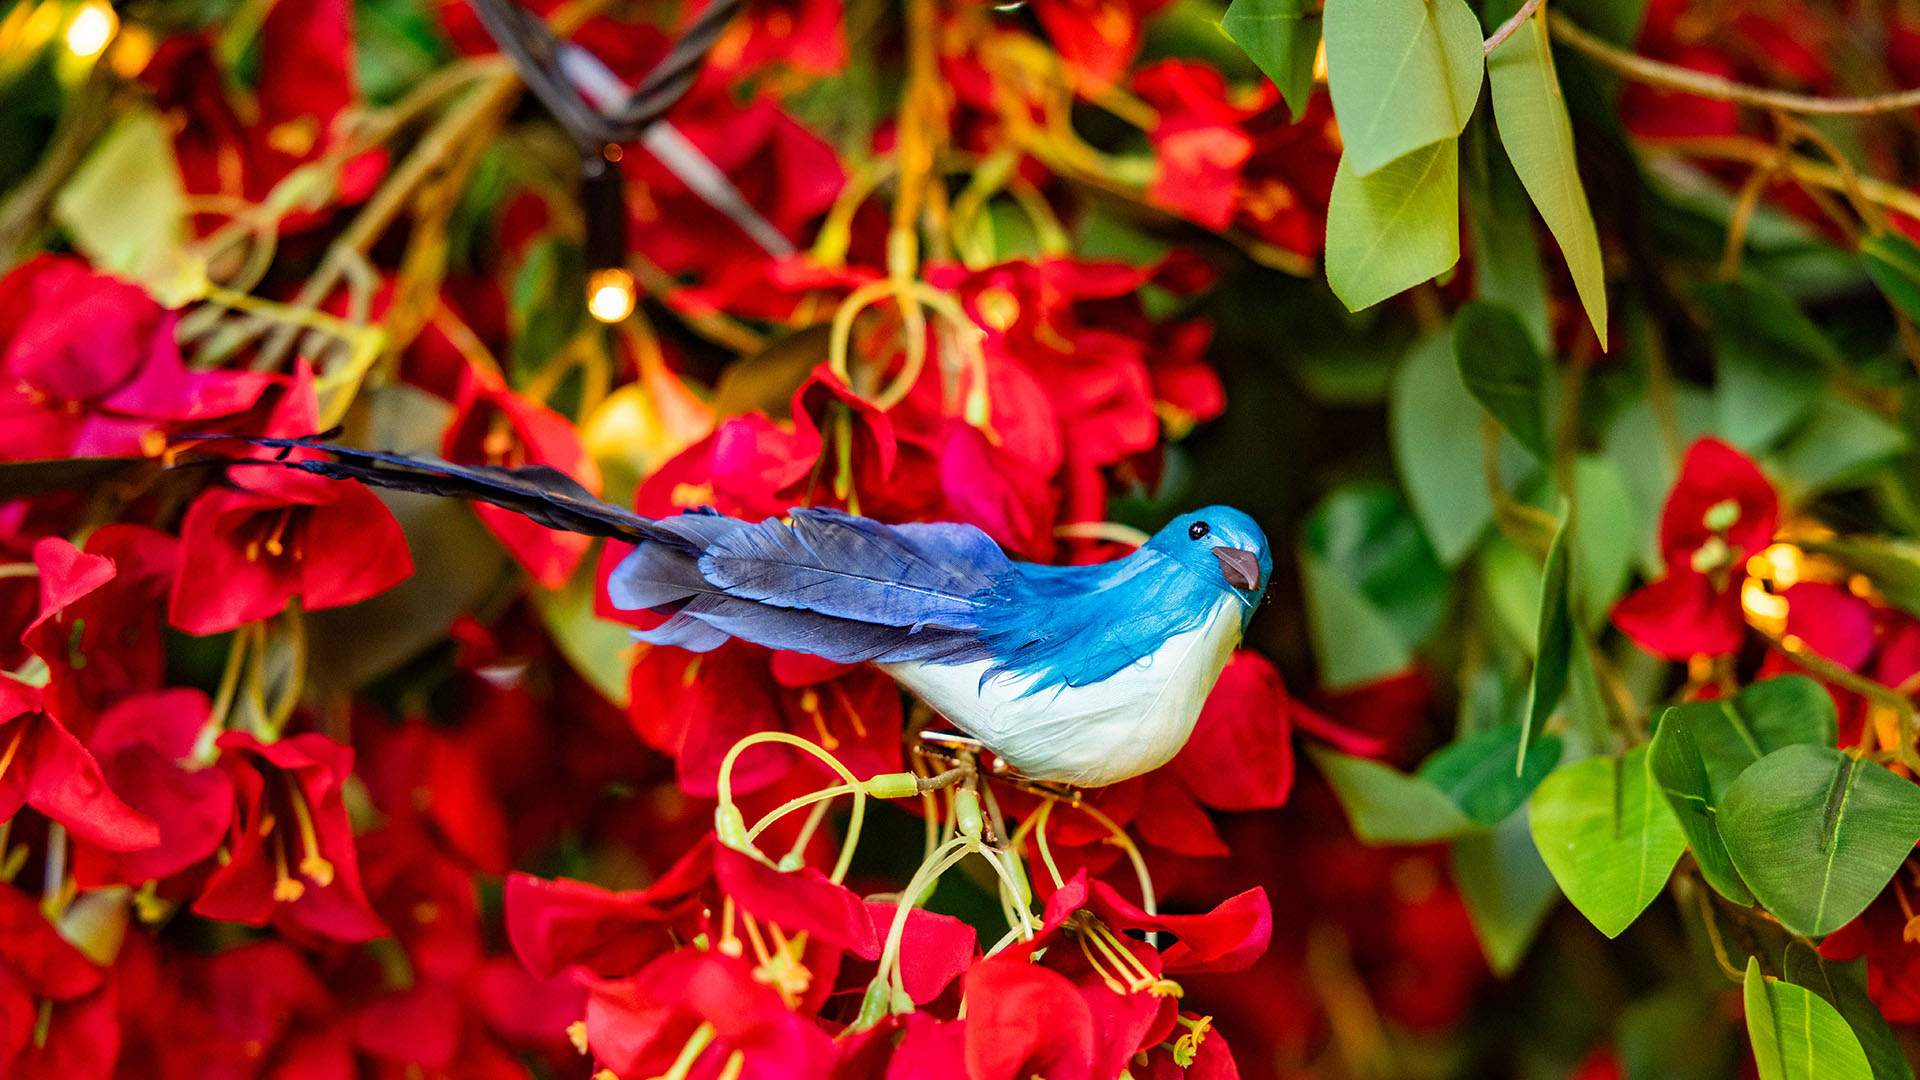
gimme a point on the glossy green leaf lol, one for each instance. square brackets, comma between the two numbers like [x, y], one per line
[1374, 589]
[1282, 37]
[1894, 565]
[1498, 221]
[1844, 986]
[1700, 748]
[1608, 836]
[1796, 1035]
[1504, 372]
[1395, 228]
[1404, 74]
[1554, 639]
[1507, 890]
[1539, 141]
[1477, 772]
[1770, 361]
[125, 208]
[1816, 834]
[1385, 806]
[1435, 431]
[1893, 262]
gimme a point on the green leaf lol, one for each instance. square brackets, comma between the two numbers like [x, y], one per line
[1893, 262]
[125, 208]
[1385, 806]
[1394, 229]
[1894, 565]
[545, 305]
[1435, 432]
[1678, 1034]
[1607, 527]
[1507, 890]
[1498, 222]
[1282, 37]
[1539, 141]
[1503, 371]
[1837, 446]
[1699, 749]
[1374, 590]
[1477, 774]
[1796, 1035]
[1607, 835]
[1770, 359]
[1816, 834]
[1555, 644]
[1844, 986]
[599, 649]
[1404, 75]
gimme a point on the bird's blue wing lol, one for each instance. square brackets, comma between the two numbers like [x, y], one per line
[828, 583]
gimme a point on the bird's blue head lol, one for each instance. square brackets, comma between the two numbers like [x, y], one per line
[1223, 546]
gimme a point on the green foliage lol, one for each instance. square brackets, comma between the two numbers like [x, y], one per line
[1608, 837]
[1385, 806]
[1539, 140]
[1844, 986]
[1893, 262]
[1404, 74]
[1435, 429]
[1554, 644]
[1771, 361]
[125, 207]
[1476, 771]
[1374, 589]
[1701, 748]
[1504, 372]
[1798, 1036]
[1282, 36]
[1507, 889]
[1816, 833]
[1395, 228]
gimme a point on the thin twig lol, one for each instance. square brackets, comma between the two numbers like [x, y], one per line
[1510, 27]
[1700, 84]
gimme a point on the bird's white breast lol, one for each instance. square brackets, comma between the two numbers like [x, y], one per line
[1087, 736]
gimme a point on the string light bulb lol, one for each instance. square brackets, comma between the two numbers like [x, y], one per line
[610, 294]
[93, 26]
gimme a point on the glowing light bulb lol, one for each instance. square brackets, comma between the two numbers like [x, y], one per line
[93, 26]
[610, 294]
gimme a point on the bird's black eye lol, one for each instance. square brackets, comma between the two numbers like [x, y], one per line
[1198, 530]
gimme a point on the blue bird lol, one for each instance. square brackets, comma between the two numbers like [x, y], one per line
[1080, 675]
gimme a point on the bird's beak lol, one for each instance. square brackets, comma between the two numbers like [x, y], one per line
[1242, 567]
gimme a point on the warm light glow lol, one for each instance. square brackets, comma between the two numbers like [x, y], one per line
[92, 27]
[1765, 610]
[610, 295]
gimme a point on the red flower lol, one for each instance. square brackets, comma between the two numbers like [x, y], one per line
[57, 1010]
[43, 766]
[89, 366]
[1720, 512]
[246, 551]
[291, 857]
[1024, 1020]
[100, 626]
[554, 925]
[1199, 146]
[141, 742]
[495, 426]
[1888, 935]
[639, 1026]
[1097, 38]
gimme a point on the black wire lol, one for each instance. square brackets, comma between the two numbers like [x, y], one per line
[535, 52]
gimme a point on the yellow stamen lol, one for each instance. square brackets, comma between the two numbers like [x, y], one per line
[577, 1035]
[286, 888]
[810, 704]
[13, 746]
[697, 1044]
[736, 1062]
[315, 866]
[729, 944]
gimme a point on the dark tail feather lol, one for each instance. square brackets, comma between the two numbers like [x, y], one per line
[541, 492]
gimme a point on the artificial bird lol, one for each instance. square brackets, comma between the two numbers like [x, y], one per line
[1077, 675]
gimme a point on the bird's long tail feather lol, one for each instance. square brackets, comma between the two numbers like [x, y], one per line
[541, 492]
